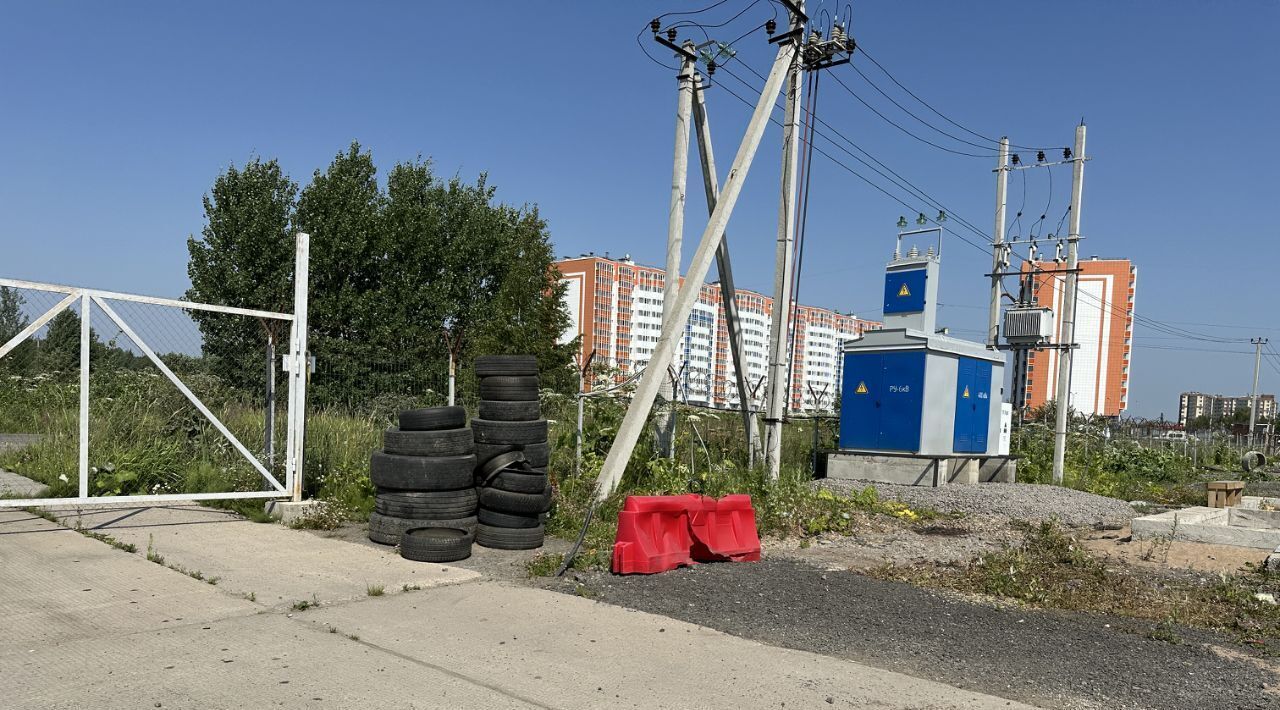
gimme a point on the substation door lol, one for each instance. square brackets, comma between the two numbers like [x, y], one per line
[881, 402]
[973, 406]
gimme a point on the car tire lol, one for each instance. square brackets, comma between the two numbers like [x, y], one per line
[448, 442]
[536, 455]
[509, 388]
[487, 431]
[436, 544]
[421, 473]
[387, 529]
[510, 538]
[499, 411]
[433, 419]
[433, 505]
[520, 503]
[506, 365]
[517, 481]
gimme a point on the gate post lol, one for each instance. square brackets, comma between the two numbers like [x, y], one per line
[85, 336]
[299, 369]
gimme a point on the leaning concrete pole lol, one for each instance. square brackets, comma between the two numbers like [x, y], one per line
[728, 293]
[1253, 398]
[641, 404]
[778, 392]
[997, 247]
[1068, 341]
[665, 423]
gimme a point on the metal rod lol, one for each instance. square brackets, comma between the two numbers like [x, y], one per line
[642, 403]
[90, 501]
[301, 369]
[135, 298]
[39, 323]
[1067, 355]
[85, 337]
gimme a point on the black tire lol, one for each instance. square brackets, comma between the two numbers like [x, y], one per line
[422, 473]
[449, 442]
[436, 544]
[499, 411]
[520, 503]
[509, 389]
[510, 538]
[517, 481]
[536, 455]
[495, 519]
[387, 529]
[510, 433]
[435, 505]
[433, 419]
[490, 365]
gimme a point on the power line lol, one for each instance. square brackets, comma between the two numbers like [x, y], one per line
[898, 126]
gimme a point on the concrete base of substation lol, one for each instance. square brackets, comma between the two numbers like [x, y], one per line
[920, 470]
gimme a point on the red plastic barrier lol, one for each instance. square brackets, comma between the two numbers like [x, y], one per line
[725, 529]
[660, 533]
[653, 535]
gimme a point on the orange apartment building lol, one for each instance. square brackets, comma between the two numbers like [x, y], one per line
[1104, 331]
[615, 306]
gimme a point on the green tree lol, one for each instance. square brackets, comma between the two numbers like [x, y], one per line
[60, 349]
[12, 322]
[342, 210]
[244, 258]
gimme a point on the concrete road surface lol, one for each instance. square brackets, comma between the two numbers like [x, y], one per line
[88, 625]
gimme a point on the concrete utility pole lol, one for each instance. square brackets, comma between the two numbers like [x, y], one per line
[665, 423]
[728, 295]
[1068, 343]
[1253, 399]
[779, 387]
[997, 247]
[642, 402]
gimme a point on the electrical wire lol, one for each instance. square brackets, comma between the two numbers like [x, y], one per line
[926, 104]
[898, 126]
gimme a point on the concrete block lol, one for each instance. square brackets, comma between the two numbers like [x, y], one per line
[962, 471]
[1246, 518]
[1203, 524]
[903, 470]
[287, 511]
[998, 470]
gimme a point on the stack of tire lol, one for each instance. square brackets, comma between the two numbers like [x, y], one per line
[424, 476]
[512, 453]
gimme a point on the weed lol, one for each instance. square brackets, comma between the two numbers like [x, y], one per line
[325, 515]
[252, 596]
[543, 564]
[585, 592]
[304, 604]
[1051, 569]
[1165, 631]
[152, 554]
[102, 537]
[410, 588]
[353, 637]
[375, 590]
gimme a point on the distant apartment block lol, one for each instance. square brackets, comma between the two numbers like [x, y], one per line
[616, 307]
[1193, 405]
[1104, 332]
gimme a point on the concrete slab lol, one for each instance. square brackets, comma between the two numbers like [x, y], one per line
[919, 470]
[278, 565]
[288, 512]
[56, 584]
[569, 652]
[14, 486]
[262, 661]
[1203, 524]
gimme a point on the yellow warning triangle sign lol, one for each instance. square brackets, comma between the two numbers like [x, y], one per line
[904, 291]
[966, 392]
[862, 388]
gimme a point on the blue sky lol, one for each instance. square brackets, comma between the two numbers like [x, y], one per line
[118, 116]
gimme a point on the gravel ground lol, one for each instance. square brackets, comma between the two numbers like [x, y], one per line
[1014, 501]
[1048, 659]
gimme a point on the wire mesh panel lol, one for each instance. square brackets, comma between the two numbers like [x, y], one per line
[183, 400]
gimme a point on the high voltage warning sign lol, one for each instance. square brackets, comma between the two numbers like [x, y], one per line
[862, 388]
[966, 392]
[904, 291]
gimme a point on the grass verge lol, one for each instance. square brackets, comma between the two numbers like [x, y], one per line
[1050, 569]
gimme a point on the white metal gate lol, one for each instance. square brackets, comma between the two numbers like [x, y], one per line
[295, 363]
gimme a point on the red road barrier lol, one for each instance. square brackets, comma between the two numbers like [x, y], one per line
[660, 533]
[725, 529]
